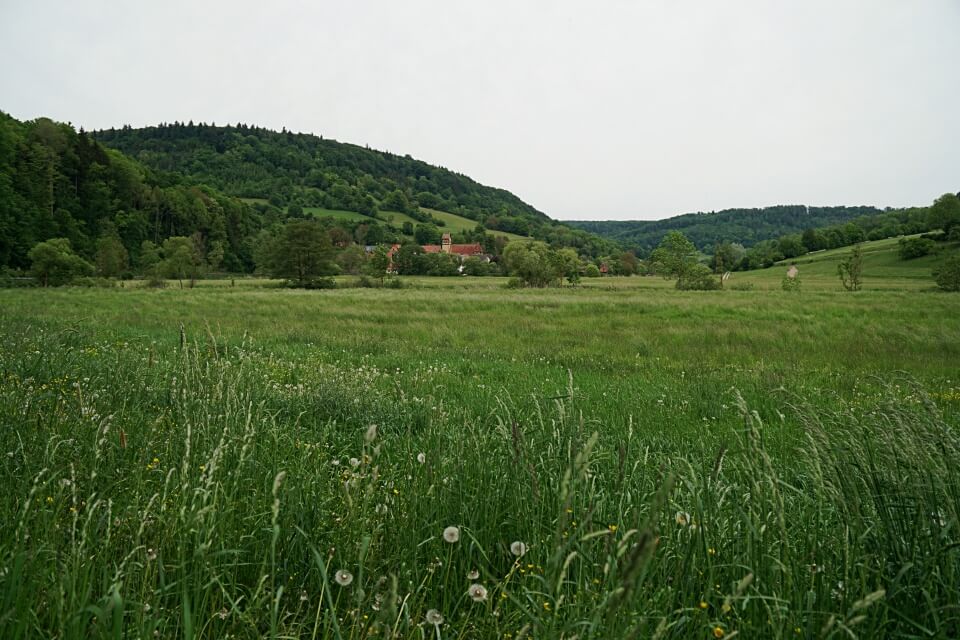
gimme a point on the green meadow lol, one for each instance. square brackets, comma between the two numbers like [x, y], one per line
[455, 459]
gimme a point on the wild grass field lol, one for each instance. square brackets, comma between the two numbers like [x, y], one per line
[458, 460]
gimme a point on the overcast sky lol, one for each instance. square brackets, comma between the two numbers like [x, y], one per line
[591, 110]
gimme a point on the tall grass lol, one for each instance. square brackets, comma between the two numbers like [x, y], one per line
[208, 486]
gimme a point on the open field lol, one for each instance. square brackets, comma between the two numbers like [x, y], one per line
[677, 464]
[881, 263]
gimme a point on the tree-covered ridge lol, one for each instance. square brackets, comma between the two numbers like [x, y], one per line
[56, 182]
[310, 171]
[113, 211]
[706, 230]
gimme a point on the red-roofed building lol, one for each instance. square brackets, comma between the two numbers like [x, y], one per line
[463, 250]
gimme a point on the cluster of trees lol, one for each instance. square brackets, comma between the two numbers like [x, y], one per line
[535, 264]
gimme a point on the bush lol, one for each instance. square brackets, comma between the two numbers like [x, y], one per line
[697, 278]
[911, 248]
[948, 275]
[592, 271]
[790, 284]
[514, 283]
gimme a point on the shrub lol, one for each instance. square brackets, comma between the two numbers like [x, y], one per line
[790, 284]
[592, 271]
[697, 278]
[911, 248]
[948, 275]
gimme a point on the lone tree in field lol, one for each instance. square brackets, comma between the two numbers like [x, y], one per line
[850, 269]
[300, 252]
[675, 256]
[54, 263]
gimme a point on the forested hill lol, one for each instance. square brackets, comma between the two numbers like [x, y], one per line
[56, 182]
[310, 171]
[706, 230]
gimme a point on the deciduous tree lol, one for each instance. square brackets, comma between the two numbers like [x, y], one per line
[54, 263]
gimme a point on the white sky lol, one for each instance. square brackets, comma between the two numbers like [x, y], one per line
[592, 110]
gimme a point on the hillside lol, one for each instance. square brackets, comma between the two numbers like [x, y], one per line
[705, 230]
[288, 168]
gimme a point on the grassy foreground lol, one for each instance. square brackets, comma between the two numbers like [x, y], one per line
[619, 460]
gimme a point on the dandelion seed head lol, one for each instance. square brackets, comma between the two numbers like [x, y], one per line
[473, 575]
[477, 592]
[518, 548]
[434, 617]
[451, 534]
[421, 457]
[343, 577]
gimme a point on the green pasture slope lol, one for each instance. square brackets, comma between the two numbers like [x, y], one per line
[452, 222]
[882, 264]
[741, 463]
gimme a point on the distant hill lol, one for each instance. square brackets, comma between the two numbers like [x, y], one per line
[225, 185]
[301, 169]
[705, 230]
[285, 170]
